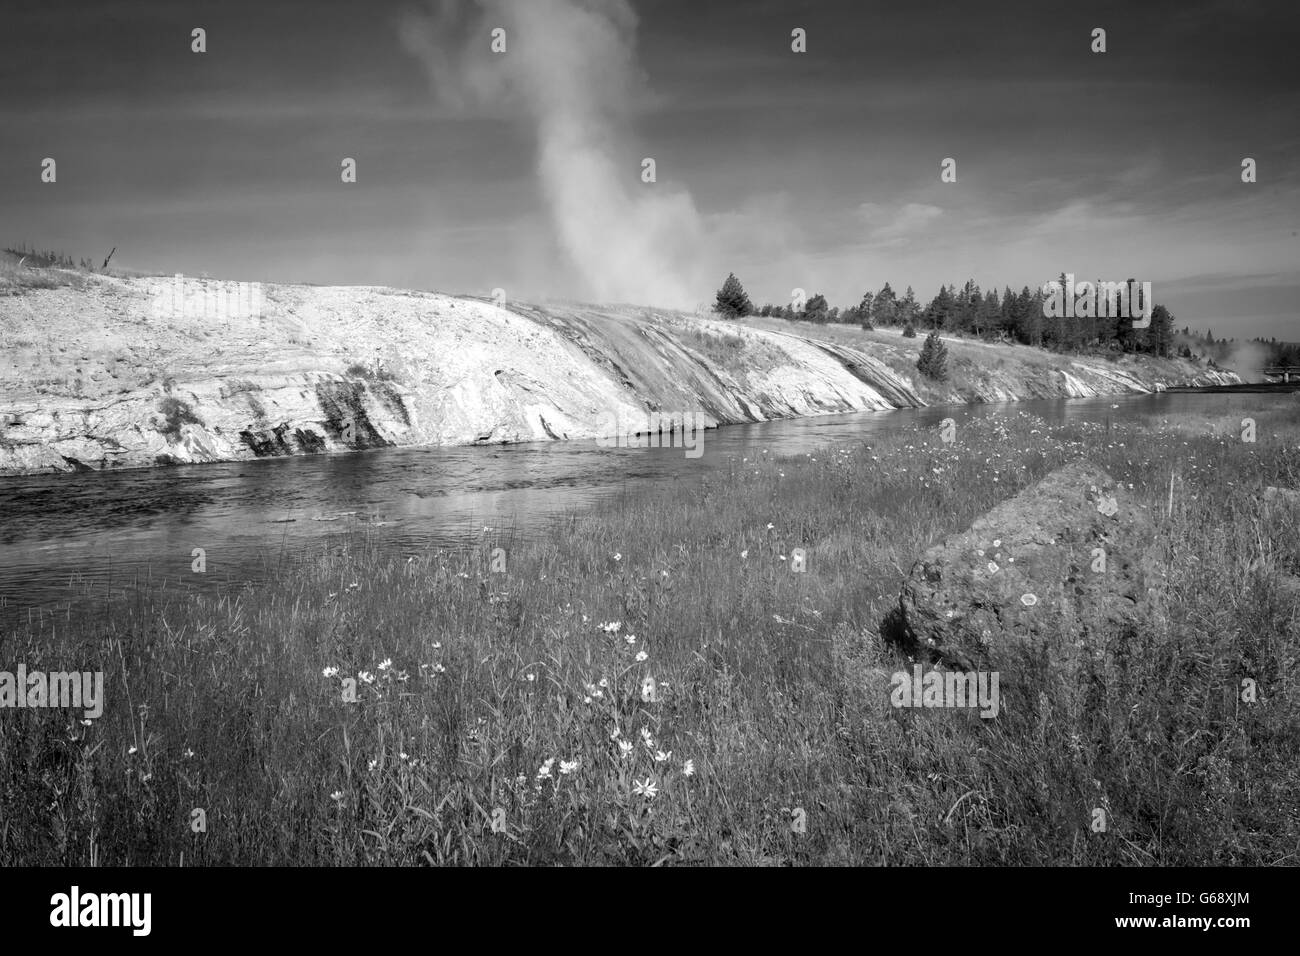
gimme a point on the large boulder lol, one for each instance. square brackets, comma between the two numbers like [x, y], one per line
[1059, 568]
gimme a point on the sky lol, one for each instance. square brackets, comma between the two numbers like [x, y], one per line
[522, 170]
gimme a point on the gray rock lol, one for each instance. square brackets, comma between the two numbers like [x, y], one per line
[1027, 575]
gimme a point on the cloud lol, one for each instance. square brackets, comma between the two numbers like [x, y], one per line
[900, 226]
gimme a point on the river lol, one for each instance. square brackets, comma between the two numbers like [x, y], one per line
[65, 538]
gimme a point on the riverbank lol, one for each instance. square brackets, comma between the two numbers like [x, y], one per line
[1259, 388]
[104, 372]
[497, 686]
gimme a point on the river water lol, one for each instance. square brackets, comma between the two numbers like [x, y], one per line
[65, 537]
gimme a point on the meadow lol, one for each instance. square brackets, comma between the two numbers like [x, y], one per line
[503, 717]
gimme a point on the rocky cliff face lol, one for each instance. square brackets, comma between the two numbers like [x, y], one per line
[98, 376]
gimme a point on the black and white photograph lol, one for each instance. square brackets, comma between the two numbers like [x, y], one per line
[517, 434]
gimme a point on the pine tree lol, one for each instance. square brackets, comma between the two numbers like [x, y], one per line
[1161, 333]
[732, 302]
[933, 362]
[987, 315]
[1009, 316]
[864, 310]
[885, 306]
[908, 310]
[964, 307]
[1030, 306]
[814, 309]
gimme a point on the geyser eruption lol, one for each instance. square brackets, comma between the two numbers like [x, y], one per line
[571, 67]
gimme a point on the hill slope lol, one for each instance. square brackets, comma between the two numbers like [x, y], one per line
[94, 376]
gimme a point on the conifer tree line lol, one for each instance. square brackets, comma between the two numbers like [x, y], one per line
[968, 310]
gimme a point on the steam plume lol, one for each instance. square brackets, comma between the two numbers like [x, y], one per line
[570, 67]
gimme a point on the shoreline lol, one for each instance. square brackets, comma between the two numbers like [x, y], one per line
[93, 381]
[609, 440]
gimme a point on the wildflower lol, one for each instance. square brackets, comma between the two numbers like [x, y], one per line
[568, 766]
[130, 750]
[661, 757]
[625, 748]
[187, 753]
[604, 682]
[645, 789]
[617, 556]
[997, 542]
[530, 677]
[631, 638]
[770, 526]
[688, 768]
[612, 627]
[403, 676]
[337, 796]
[437, 645]
[402, 756]
[993, 568]
[439, 669]
[330, 672]
[386, 663]
[372, 765]
[745, 553]
[366, 677]
[544, 771]
[616, 734]
[641, 656]
[87, 722]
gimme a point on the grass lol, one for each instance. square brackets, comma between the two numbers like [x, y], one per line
[774, 684]
[741, 355]
[18, 277]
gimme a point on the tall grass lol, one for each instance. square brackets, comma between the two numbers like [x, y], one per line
[494, 709]
[22, 271]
